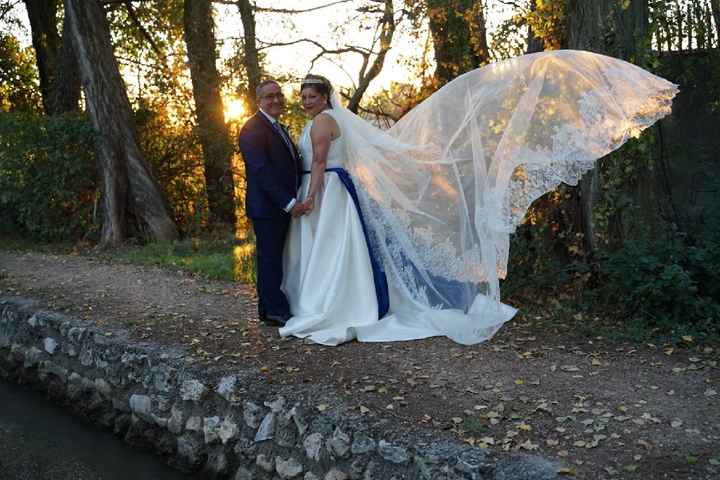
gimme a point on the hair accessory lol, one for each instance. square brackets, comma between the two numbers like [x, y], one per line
[314, 80]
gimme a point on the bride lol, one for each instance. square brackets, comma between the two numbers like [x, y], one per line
[406, 231]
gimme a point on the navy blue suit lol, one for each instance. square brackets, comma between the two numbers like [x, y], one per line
[272, 171]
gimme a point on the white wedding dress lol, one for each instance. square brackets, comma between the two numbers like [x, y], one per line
[327, 273]
[440, 192]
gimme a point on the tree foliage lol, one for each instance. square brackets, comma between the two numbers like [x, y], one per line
[47, 176]
[18, 77]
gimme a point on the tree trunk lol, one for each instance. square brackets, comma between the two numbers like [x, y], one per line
[57, 67]
[127, 182]
[459, 37]
[252, 61]
[679, 20]
[42, 15]
[387, 25]
[214, 135]
[535, 43]
[65, 93]
[715, 4]
[615, 28]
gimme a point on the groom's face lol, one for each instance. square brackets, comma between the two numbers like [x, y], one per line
[272, 100]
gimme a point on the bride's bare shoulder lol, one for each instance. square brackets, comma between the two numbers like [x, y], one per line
[325, 124]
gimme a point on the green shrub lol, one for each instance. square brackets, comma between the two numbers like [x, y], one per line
[48, 185]
[665, 283]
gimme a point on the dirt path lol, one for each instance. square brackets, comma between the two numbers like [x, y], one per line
[606, 410]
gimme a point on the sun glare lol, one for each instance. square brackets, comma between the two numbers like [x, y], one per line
[234, 110]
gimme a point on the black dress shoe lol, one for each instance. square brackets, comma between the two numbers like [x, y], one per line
[275, 320]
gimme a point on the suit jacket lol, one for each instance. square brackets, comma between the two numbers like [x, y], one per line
[272, 172]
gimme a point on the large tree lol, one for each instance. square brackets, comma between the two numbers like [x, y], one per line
[250, 50]
[386, 29]
[534, 42]
[214, 136]
[715, 7]
[128, 186]
[57, 65]
[618, 28]
[376, 15]
[459, 36]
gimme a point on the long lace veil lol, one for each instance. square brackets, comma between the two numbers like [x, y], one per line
[445, 186]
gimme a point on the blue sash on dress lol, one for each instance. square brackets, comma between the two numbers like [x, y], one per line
[381, 285]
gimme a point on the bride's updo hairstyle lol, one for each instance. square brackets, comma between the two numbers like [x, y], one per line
[320, 84]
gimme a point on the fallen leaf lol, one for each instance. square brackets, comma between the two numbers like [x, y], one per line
[528, 445]
[488, 440]
[569, 368]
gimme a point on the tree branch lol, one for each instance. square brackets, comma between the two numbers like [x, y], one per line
[7, 9]
[319, 45]
[284, 10]
[134, 18]
[386, 25]
[515, 5]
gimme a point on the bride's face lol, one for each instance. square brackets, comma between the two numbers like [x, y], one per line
[312, 101]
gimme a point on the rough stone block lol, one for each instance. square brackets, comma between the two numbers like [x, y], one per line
[50, 345]
[192, 390]
[226, 389]
[313, 445]
[362, 444]
[267, 428]
[210, 429]
[265, 462]
[253, 414]
[244, 474]
[288, 468]
[393, 453]
[141, 405]
[339, 443]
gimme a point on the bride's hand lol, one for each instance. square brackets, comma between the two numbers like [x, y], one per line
[308, 205]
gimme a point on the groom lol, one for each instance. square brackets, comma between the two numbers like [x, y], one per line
[273, 168]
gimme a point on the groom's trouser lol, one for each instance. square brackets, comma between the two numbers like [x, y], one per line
[270, 234]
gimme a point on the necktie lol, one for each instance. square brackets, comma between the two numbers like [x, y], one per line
[285, 138]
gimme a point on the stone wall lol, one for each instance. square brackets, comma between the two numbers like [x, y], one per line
[690, 138]
[226, 424]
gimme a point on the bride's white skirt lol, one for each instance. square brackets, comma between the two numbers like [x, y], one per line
[327, 273]
[329, 284]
